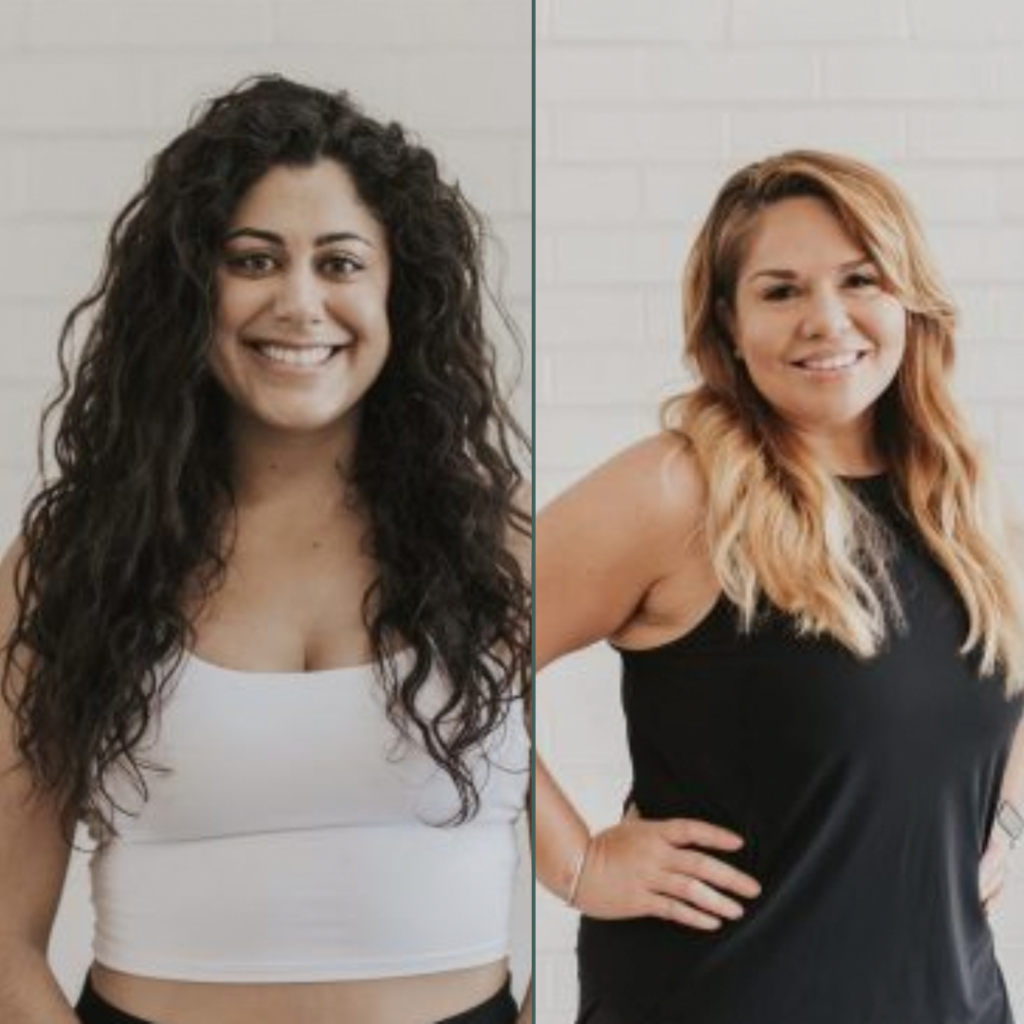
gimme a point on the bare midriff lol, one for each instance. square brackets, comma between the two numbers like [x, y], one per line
[413, 999]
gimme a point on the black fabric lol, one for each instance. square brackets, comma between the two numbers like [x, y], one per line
[92, 1008]
[499, 1009]
[865, 791]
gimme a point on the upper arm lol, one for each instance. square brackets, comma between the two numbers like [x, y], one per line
[33, 851]
[601, 546]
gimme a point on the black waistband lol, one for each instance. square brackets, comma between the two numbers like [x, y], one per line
[499, 1009]
[92, 1008]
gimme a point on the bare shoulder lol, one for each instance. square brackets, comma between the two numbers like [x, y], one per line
[666, 473]
[656, 484]
[610, 539]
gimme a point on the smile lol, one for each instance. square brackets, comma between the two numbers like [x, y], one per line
[831, 364]
[293, 355]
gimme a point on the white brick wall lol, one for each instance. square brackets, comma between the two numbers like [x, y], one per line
[642, 110]
[89, 89]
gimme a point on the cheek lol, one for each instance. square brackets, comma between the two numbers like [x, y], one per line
[762, 339]
[366, 310]
[229, 304]
[896, 326]
[219, 363]
[889, 327]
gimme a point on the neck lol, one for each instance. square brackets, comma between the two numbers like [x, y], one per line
[301, 476]
[846, 451]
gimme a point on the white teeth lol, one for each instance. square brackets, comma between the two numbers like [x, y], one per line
[840, 362]
[310, 355]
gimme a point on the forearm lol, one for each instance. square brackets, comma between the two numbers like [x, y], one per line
[29, 993]
[526, 1010]
[562, 834]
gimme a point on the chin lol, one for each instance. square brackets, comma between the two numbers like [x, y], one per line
[301, 420]
[310, 424]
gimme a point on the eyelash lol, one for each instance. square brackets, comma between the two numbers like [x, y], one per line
[863, 280]
[786, 291]
[338, 265]
[779, 294]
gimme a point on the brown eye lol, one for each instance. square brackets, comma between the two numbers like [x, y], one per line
[341, 265]
[862, 280]
[251, 263]
[779, 293]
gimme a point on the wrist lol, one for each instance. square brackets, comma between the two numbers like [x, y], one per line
[574, 875]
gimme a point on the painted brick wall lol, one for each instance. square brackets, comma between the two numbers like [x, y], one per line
[642, 110]
[89, 89]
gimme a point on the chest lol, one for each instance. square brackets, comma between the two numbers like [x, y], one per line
[782, 708]
[288, 601]
[232, 753]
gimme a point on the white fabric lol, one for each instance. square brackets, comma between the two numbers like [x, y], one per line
[292, 838]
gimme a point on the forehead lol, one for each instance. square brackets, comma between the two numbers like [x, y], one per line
[306, 201]
[801, 233]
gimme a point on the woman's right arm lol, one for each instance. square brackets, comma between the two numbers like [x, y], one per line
[602, 548]
[33, 864]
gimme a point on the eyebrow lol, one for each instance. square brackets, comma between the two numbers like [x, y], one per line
[792, 275]
[276, 239]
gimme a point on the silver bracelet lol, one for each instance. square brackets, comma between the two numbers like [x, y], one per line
[1010, 820]
[577, 874]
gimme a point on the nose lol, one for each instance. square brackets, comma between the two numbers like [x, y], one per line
[825, 315]
[299, 297]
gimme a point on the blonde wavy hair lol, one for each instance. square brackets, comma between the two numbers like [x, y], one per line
[778, 524]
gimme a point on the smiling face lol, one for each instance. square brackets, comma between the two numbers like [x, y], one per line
[820, 336]
[302, 286]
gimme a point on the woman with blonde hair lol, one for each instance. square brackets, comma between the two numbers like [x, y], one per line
[812, 583]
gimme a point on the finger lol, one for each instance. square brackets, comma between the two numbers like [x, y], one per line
[670, 909]
[700, 896]
[992, 873]
[991, 906]
[715, 872]
[991, 883]
[991, 892]
[689, 832]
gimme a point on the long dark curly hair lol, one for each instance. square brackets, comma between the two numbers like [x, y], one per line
[135, 513]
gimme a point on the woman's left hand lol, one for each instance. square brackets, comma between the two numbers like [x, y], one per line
[994, 870]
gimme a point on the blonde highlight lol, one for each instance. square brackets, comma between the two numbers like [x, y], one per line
[778, 525]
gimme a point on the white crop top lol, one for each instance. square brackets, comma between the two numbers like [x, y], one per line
[291, 841]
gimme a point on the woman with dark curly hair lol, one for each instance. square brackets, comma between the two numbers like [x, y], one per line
[266, 627]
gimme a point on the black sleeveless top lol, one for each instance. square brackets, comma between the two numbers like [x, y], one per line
[865, 791]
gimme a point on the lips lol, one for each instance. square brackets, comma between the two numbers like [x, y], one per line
[823, 362]
[304, 355]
